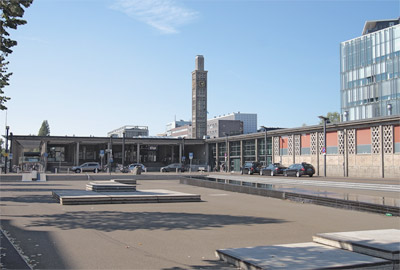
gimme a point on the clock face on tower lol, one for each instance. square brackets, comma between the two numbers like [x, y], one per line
[202, 83]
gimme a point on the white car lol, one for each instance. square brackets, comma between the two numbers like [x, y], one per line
[132, 166]
[87, 167]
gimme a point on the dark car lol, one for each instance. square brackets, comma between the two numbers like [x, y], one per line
[173, 167]
[251, 167]
[273, 169]
[299, 170]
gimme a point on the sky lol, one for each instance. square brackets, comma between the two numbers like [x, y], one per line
[91, 66]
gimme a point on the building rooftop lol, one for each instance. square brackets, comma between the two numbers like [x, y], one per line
[373, 26]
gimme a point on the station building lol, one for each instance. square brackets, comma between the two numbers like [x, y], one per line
[367, 148]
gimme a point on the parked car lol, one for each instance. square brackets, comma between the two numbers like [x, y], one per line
[172, 168]
[273, 169]
[87, 167]
[133, 165]
[251, 167]
[299, 170]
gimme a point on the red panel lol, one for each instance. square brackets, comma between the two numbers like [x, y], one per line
[396, 134]
[331, 139]
[284, 142]
[305, 141]
[363, 136]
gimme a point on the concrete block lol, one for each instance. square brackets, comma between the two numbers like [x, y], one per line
[300, 256]
[378, 243]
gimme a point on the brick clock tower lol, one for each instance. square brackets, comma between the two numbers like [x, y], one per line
[199, 99]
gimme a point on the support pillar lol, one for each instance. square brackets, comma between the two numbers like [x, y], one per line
[317, 151]
[346, 154]
[77, 154]
[216, 155]
[381, 151]
[241, 154]
[228, 159]
[256, 149]
[138, 153]
[272, 150]
[180, 153]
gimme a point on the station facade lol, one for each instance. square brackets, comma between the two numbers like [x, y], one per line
[367, 148]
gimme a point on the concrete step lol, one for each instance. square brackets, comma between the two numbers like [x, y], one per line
[378, 243]
[76, 197]
[109, 186]
[300, 256]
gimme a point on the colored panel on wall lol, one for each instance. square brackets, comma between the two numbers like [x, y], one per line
[305, 141]
[305, 150]
[284, 152]
[284, 142]
[332, 150]
[363, 136]
[397, 147]
[364, 149]
[331, 139]
[396, 130]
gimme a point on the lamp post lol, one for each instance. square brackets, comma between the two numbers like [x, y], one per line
[6, 156]
[123, 149]
[226, 152]
[346, 116]
[265, 145]
[326, 120]
[389, 109]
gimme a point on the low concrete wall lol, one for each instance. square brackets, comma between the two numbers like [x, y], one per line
[302, 198]
[97, 177]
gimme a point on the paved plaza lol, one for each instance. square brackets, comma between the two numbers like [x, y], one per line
[168, 236]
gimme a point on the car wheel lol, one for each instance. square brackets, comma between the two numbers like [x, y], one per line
[77, 171]
[272, 173]
[310, 175]
[298, 174]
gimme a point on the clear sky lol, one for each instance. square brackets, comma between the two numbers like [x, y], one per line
[91, 66]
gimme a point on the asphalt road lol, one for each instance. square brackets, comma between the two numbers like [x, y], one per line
[169, 236]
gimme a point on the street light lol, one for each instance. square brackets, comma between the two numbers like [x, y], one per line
[226, 153]
[123, 148]
[389, 109]
[265, 144]
[6, 157]
[326, 120]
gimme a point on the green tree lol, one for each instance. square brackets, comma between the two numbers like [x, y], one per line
[334, 117]
[44, 129]
[11, 12]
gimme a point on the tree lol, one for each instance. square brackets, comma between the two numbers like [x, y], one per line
[44, 129]
[334, 117]
[11, 12]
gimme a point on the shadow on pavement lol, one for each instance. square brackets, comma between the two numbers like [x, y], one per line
[37, 247]
[113, 220]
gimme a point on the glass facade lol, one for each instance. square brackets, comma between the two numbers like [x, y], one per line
[370, 75]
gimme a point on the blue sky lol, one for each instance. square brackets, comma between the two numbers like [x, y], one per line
[90, 66]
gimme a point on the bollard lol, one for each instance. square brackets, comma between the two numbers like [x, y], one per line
[68, 171]
[177, 170]
[55, 170]
[95, 171]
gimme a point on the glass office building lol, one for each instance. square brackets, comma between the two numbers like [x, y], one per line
[370, 72]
